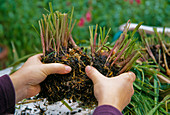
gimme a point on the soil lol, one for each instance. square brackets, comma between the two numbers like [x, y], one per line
[155, 51]
[76, 85]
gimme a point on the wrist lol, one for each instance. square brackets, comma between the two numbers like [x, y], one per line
[109, 102]
[19, 87]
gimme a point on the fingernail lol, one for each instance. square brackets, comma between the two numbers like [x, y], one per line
[88, 68]
[67, 68]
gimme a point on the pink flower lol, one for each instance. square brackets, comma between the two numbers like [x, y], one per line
[81, 22]
[138, 1]
[88, 16]
[131, 1]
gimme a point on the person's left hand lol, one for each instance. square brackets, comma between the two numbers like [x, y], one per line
[27, 79]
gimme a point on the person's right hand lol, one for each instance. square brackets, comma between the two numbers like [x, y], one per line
[116, 91]
[27, 79]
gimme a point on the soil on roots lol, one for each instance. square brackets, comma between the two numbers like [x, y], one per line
[76, 85]
[155, 50]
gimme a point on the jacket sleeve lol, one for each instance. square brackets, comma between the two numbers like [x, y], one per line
[7, 95]
[106, 110]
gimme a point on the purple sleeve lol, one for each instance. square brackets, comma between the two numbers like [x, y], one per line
[7, 95]
[106, 110]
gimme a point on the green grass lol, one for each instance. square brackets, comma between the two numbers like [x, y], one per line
[17, 18]
[17, 32]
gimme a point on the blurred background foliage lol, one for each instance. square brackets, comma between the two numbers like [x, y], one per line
[18, 16]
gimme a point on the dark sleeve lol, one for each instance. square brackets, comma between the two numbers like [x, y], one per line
[106, 110]
[7, 95]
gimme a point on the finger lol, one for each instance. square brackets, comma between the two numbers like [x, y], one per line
[93, 74]
[129, 76]
[53, 68]
[39, 55]
[132, 91]
[132, 76]
[36, 57]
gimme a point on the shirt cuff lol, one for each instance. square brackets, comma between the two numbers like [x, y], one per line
[7, 95]
[106, 110]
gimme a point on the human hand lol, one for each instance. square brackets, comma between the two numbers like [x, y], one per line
[115, 91]
[27, 79]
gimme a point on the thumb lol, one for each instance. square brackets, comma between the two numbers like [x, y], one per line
[93, 74]
[53, 68]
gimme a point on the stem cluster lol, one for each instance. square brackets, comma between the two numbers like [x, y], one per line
[122, 54]
[55, 30]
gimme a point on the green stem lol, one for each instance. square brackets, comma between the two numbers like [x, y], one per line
[120, 54]
[91, 39]
[130, 63]
[71, 18]
[156, 90]
[42, 38]
[51, 10]
[67, 105]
